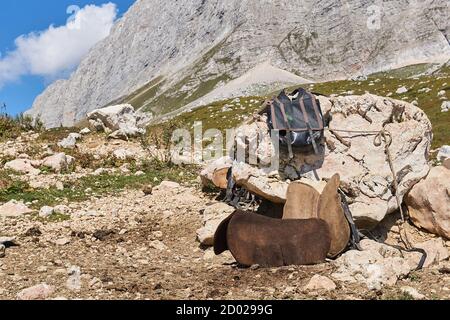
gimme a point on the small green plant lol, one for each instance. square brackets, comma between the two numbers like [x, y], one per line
[12, 127]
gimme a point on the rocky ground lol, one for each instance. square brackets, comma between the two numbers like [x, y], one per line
[138, 240]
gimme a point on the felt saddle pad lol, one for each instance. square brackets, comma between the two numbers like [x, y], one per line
[256, 239]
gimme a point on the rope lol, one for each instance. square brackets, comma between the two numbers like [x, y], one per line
[384, 136]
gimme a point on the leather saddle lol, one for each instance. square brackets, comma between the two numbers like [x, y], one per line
[256, 239]
[305, 202]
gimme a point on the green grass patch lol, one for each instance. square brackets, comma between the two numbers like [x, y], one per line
[424, 89]
[154, 173]
[13, 127]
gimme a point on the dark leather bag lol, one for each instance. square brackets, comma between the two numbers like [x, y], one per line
[299, 120]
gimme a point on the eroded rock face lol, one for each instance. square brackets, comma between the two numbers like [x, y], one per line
[429, 202]
[207, 42]
[363, 166]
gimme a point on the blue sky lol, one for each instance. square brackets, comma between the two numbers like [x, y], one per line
[21, 17]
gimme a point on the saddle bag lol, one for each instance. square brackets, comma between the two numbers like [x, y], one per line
[299, 120]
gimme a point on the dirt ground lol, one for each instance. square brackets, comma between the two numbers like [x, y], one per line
[145, 247]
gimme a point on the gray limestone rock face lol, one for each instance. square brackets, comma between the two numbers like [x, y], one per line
[163, 55]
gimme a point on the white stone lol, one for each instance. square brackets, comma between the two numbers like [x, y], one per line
[212, 217]
[58, 162]
[158, 245]
[22, 166]
[413, 293]
[402, 90]
[168, 185]
[444, 153]
[121, 120]
[318, 283]
[39, 292]
[123, 154]
[70, 142]
[445, 106]
[85, 131]
[73, 283]
[46, 212]
[14, 209]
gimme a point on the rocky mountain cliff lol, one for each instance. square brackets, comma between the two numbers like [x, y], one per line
[164, 55]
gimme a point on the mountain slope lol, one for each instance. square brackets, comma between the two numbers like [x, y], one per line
[164, 55]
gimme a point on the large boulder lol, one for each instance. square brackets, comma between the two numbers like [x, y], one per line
[429, 202]
[363, 166]
[14, 209]
[24, 166]
[212, 217]
[71, 141]
[213, 173]
[122, 121]
[379, 265]
[444, 153]
[58, 162]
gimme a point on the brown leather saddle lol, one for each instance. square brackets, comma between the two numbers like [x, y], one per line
[256, 239]
[305, 202]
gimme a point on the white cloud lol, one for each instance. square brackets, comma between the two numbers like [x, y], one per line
[58, 50]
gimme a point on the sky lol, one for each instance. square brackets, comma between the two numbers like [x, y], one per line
[43, 41]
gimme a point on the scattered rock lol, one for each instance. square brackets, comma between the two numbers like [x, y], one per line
[58, 162]
[2, 250]
[413, 293]
[46, 212]
[122, 120]
[62, 241]
[212, 217]
[168, 185]
[376, 266]
[7, 240]
[103, 235]
[70, 142]
[319, 283]
[123, 154]
[446, 163]
[38, 292]
[62, 210]
[33, 232]
[402, 90]
[158, 245]
[14, 209]
[436, 251]
[215, 173]
[445, 106]
[429, 202]
[23, 166]
[59, 185]
[444, 153]
[148, 190]
[74, 281]
[85, 131]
